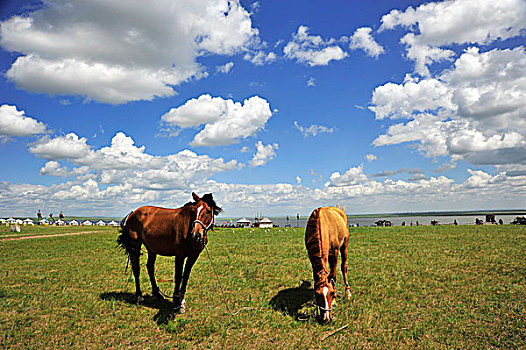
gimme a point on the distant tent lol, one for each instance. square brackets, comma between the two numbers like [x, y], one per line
[60, 223]
[2, 221]
[101, 223]
[265, 223]
[11, 221]
[87, 223]
[18, 221]
[243, 222]
[74, 222]
[43, 222]
[28, 221]
[113, 223]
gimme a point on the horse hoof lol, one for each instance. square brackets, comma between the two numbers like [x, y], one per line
[157, 295]
[140, 299]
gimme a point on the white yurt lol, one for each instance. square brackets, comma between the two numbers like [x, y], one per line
[101, 223]
[113, 223]
[28, 221]
[243, 222]
[265, 223]
[74, 222]
[60, 223]
[87, 223]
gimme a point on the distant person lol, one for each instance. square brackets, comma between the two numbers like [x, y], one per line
[39, 216]
[416, 222]
[51, 217]
[61, 216]
[403, 223]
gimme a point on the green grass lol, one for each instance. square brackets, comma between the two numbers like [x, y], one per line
[413, 287]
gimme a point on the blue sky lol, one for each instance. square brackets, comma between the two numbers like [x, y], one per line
[274, 107]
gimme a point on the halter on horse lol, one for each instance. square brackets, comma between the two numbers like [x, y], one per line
[181, 232]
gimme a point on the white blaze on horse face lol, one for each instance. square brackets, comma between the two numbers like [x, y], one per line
[198, 211]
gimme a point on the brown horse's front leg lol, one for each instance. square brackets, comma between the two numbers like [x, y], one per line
[136, 268]
[344, 253]
[150, 265]
[187, 269]
[179, 263]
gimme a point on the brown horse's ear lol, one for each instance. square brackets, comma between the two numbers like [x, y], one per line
[195, 197]
[343, 209]
[338, 206]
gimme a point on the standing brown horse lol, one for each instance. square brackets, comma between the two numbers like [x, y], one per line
[178, 232]
[326, 235]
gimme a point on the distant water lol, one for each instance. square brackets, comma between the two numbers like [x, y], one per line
[397, 221]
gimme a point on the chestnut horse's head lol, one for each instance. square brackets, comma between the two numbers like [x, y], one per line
[324, 295]
[205, 209]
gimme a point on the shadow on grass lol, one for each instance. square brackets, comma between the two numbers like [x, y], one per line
[290, 301]
[165, 307]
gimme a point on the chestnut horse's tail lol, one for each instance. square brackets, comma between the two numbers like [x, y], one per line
[124, 239]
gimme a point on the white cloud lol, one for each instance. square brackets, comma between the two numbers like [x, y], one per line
[298, 180]
[311, 82]
[123, 163]
[237, 121]
[313, 130]
[370, 157]
[260, 58]
[311, 49]
[62, 147]
[362, 39]
[117, 52]
[15, 123]
[263, 154]
[436, 24]
[227, 67]
[225, 121]
[472, 111]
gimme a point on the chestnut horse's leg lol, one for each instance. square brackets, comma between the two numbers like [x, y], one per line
[187, 269]
[150, 265]
[179, 263]
[344, 252]
[333, 260]
[136, 268]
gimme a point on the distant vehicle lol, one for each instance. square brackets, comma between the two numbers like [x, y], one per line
[383, 223]
[519, 220]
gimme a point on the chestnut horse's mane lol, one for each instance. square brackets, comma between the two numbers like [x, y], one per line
[208, 199]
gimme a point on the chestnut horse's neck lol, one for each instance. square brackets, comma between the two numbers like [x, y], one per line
[315, 246]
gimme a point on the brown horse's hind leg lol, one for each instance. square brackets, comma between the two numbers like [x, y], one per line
[136, 268]
[344, 253]
[150, 265]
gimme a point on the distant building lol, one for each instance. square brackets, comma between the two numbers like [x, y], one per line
[101, 223]
[265, 223]
[113, 223]
[87, 223]
[243, 222]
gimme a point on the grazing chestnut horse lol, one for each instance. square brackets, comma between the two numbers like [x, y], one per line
[178, 232]
[326, 235]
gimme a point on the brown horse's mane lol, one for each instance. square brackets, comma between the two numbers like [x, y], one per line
[208, 199]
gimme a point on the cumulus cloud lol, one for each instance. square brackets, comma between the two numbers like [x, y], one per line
[101, 50]
[125, 163]
[362, 39]
[264, 154]
[472, 111]
[62, 147]
[226, 121]
[370, 157]
[15, 123]
[260, 58]
[313, 130]
[311, 82]
[436, 24]
[226, 68]
[312, 49]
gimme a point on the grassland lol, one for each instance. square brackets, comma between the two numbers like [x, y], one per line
[413, 287]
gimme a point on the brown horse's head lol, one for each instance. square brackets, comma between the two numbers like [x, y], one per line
[205, 209]
[324, 295]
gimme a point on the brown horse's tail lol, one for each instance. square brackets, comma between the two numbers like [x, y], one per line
[124, 239]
